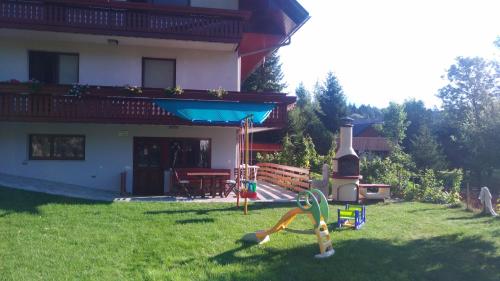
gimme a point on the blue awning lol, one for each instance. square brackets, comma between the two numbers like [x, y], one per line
[217, 111]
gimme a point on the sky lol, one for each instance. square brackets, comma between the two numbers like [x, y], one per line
[388, 50]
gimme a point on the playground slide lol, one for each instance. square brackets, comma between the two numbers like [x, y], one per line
[262, 236]
[285, 220]
[316, 210]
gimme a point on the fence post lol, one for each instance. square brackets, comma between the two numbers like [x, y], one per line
[467, 195]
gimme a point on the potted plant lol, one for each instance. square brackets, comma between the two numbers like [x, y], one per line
[174, 91]
[133, 90]
[34, 86]
[78, 90]
[219, 92]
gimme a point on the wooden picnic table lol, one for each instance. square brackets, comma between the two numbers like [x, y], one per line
[208, 174]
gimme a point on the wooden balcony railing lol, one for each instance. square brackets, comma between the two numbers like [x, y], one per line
[124, 19]
[112, 105]
[293, 178]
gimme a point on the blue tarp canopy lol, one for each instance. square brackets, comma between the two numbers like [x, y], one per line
[217, 111]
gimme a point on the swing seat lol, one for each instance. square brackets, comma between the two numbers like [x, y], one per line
[248, 195]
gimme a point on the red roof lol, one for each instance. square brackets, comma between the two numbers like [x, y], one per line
[370, 144]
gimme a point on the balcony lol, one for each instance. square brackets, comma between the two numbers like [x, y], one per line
[114, 105]
[115, 18]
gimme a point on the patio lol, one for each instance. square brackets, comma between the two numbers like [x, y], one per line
[266, 192]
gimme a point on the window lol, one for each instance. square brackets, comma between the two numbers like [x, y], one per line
[189, 153]
[158, 73]
[53, 68]
[56, 147]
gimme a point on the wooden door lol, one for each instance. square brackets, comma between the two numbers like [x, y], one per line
[148, 166]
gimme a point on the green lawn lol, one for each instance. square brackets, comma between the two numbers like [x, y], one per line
[46, 237]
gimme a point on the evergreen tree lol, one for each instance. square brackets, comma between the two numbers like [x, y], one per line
[417, 116]
[303, 121]
[303, 96]
[287, 155]
[332, 104]
[366, 113]
[268, 77]
[395, 124]
[426, 151]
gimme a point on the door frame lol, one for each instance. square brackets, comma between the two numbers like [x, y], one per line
[161, 141]
[165, 142]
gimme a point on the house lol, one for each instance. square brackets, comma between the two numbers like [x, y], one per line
[367, 140]
[90, 89]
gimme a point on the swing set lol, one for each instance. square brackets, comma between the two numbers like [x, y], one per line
[245, 188]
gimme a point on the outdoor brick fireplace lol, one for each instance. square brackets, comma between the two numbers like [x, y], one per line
[346, 175]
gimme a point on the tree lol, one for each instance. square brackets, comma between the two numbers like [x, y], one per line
[332, 106]
[395, 123]
[303, 96]
[287, 155]
[426, 151]
[470, 103]
[266, 78]
[417, 116]
[302, 121]
[366, 113]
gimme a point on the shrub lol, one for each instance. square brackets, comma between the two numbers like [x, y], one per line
[452, 179]
[390, 171]
[411, 192]
[431, 190]
[397, 171]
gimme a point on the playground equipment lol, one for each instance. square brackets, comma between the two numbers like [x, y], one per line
[318, 213]
[247, 188]
[352, 216]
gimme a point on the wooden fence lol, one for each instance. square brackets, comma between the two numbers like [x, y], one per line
[293, 178]
[475, 203]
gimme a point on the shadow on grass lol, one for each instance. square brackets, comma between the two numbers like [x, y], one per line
[190, 221]
[425, 210]
[203, 210]
[472, 216]
[20, 201]
[440, 258]
[300, 231]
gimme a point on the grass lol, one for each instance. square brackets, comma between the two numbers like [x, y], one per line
[45, 237]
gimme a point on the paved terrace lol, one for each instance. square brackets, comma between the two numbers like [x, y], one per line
[266, 192]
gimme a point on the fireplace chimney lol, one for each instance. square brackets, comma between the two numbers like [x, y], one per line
[346, 175]
[345, 145]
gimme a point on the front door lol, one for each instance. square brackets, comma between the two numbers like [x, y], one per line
[148, 166]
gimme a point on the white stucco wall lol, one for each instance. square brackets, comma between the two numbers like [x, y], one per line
[108, 65]
[107, 154]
